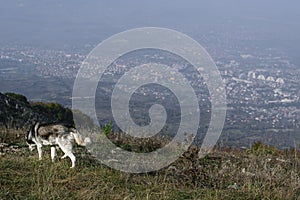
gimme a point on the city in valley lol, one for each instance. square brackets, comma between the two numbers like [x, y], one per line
[262, 87]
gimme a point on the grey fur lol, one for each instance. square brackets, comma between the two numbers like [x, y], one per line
[53, 135]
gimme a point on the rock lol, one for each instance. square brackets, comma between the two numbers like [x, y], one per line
[234, 187]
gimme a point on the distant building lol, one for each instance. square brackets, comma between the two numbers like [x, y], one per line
[261, 77]
[271, 79]
[280, 80]
[251, 75]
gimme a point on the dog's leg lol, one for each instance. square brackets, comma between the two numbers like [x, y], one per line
[67, 149]
[53, 153]
[70, 154]
[39, 148]
[64, 156]
[73, 159]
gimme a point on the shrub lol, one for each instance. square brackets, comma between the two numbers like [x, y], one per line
[17, 97]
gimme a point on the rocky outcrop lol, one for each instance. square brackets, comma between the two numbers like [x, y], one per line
[16, 112]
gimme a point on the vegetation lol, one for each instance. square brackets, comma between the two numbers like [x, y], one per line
[16, 111]
[107, 129]
[18, 97]
[261, 172]
[54, 111]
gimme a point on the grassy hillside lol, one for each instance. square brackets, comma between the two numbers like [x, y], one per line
[258, 173]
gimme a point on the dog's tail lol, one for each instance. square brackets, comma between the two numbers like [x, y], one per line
[79, 139]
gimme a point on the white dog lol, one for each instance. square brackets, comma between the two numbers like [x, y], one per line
[53, 135]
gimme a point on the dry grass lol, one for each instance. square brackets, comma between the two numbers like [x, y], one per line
[258, 173]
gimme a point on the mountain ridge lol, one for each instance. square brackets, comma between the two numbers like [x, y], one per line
[16, 111]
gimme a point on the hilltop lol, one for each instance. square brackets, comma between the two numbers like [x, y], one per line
[259, 172]
[16, 111]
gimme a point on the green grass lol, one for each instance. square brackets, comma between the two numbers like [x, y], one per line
[266, 175]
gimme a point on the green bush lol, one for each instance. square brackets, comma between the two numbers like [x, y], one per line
[107, 129]
[54, 110]
[17, 97]
[259, 148]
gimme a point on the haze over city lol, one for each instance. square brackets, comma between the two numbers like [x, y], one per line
[253, 43]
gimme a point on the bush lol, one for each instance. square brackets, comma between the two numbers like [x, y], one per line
[259, 148]
[55, 111]
[107, 129]
[17, 97]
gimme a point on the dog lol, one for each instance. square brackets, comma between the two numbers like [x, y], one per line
[55, 135]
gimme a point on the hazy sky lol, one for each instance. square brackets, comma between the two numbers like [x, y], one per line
[60, 22]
